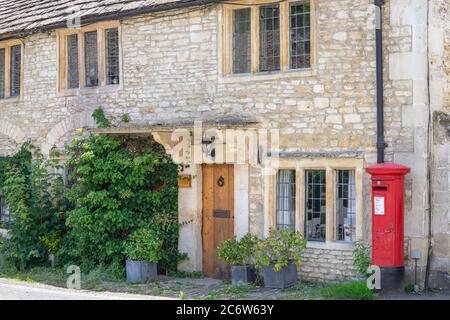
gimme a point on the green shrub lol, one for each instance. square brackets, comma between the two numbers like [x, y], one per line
[119, 185]
[281, 247]
[36, 199]
[238, 253]
[144, 245]
[361, 257]
[352, 291]
[52, 242]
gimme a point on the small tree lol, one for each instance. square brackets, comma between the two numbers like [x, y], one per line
[34, 193]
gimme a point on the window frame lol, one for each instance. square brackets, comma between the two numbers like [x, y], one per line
[101, 28]
[331, 166]
[226, 42]
[7, 45]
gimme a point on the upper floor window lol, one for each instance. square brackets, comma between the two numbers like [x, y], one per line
[89, 56]
[10, 69]
[268, 36]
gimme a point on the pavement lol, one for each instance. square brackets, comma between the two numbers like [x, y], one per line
[18, 290]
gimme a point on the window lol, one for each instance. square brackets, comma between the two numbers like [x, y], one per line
[112, 56]
[241, 41]
[268, 37]
[300, 35]
[73, 75]
[315, 205]
[91, 59]
[345, 205]
[285, 210]
[10, 69]
[2, 73]
[89, 56]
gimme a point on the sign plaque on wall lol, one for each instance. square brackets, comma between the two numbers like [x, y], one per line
[185, 181]
[379, 206]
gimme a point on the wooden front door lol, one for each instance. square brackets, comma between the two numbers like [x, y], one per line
[218, 217]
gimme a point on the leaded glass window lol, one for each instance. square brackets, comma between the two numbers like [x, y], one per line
[242, 40]
[345, 205]
[315, 188]
[269, 38]
[112, 56]
[285, 199]
[91, 58]
[73, 78]
[2, 73]
[15, 75]
[300, 35]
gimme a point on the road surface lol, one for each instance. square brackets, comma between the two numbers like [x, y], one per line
[18, 290]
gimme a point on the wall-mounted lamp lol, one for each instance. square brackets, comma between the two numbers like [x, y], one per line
[207, 146]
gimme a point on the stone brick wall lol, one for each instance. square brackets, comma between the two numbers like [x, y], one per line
[327, 265]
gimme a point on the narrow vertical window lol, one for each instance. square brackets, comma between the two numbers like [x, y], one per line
[5, 216]
[315, 205]
[241, 40]
[73, 76]
[2, 73]
[269, 38]
[300, 35]
[91, 58]
[112, 56]
[285, 203]
[16, 61]
[345, 205]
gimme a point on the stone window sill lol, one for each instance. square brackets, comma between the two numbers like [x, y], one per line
[331, 245]
[265, 76]
[10, 99]
[90, 90]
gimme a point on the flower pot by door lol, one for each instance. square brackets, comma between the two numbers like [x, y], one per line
[282, 279]
[242, 275]
[141, 271]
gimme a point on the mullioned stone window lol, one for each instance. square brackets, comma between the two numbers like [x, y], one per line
[89, 57]
[11, 68]
[262, 36]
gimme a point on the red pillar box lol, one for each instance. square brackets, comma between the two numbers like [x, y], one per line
[388, 191]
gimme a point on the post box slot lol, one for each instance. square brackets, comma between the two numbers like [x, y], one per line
[380, 188]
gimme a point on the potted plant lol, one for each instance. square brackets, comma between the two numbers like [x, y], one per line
[143, 250]
[279, 256]
[238, 254]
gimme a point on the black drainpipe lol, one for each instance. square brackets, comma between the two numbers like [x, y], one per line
[381, 144]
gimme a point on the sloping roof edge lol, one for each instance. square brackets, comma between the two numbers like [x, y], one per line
[89, 19]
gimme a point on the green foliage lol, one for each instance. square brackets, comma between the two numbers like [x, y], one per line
[361, 257]
[144, 245]
[119, 185]
[52, 242]
[347, 291]
[238, 253]
[36, 199]
[281, 247]
[100, 118]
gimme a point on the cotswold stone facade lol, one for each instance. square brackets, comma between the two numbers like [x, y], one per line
[171, 72]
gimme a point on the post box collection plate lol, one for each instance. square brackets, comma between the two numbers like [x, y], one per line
[379, 206]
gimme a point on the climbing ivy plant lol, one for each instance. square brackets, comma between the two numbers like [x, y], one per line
[118, 185]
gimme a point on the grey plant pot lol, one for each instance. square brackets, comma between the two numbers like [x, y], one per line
[282, 279]
[141, 271]
[242, 275]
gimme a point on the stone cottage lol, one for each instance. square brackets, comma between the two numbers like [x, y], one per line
[294, 79]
